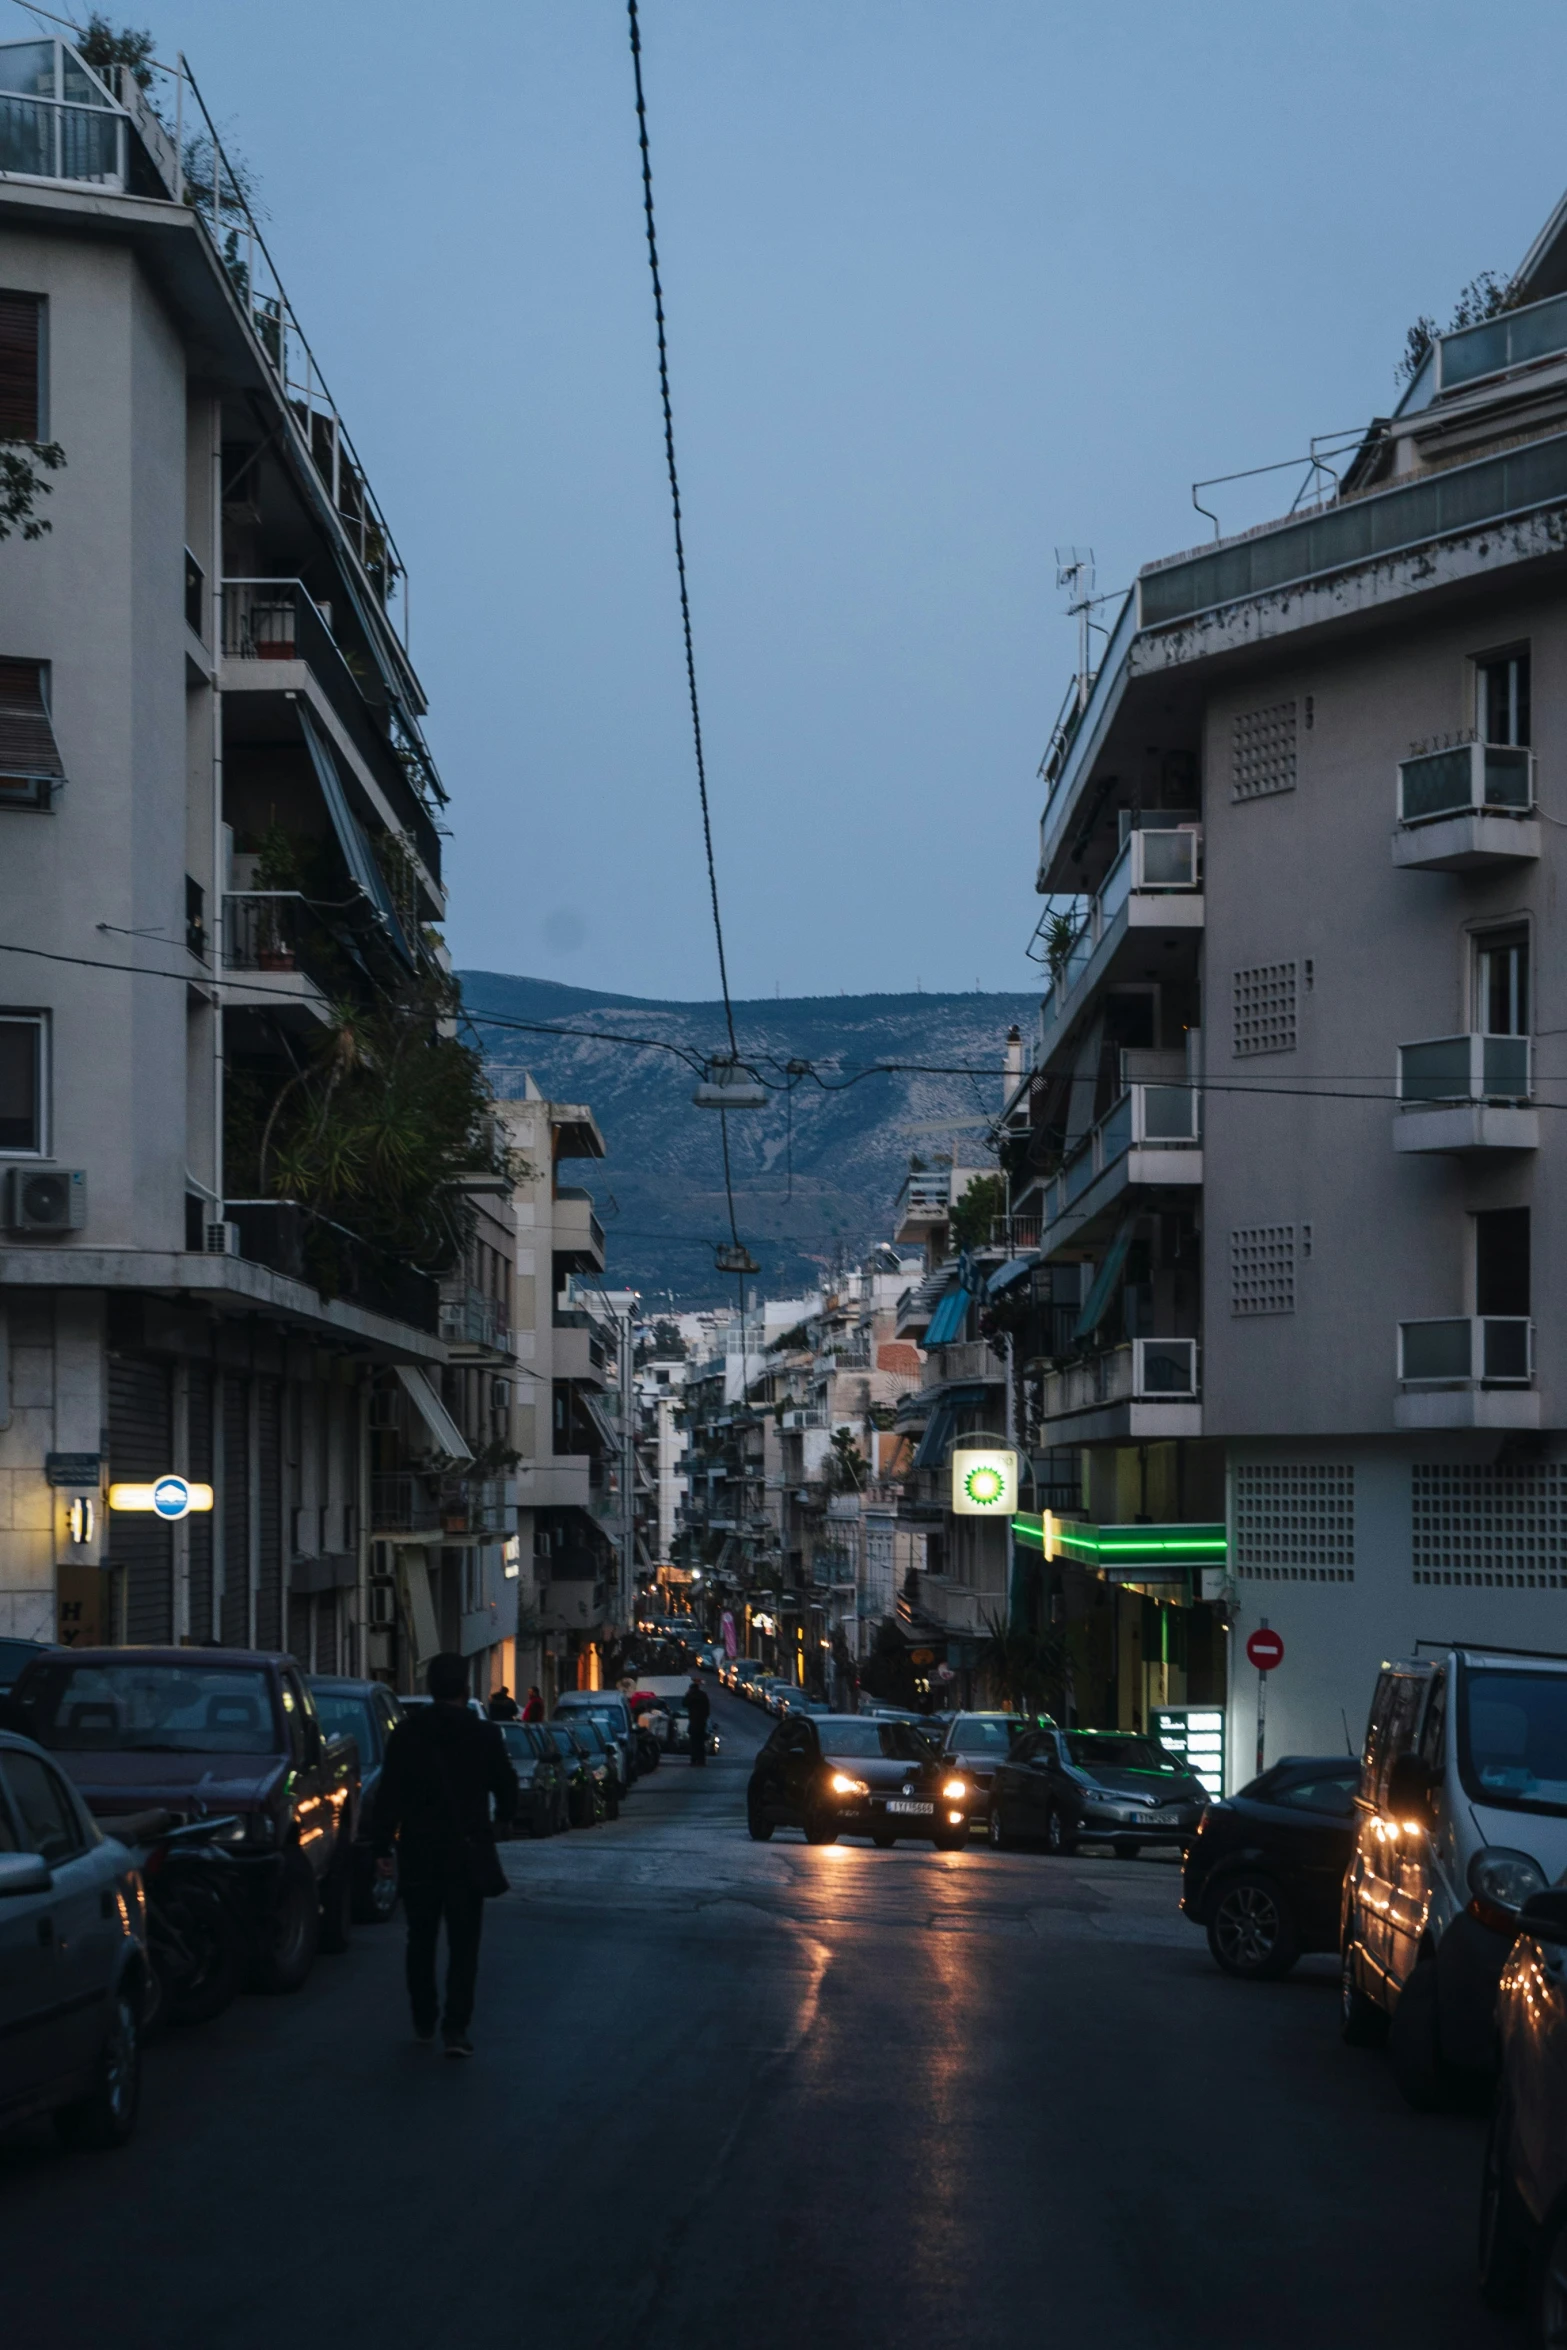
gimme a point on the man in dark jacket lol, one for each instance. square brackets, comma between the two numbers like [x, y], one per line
[442, 1766]
[698, 1707]
[503, 1707]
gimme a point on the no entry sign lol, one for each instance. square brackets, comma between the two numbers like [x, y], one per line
[1265, 1649]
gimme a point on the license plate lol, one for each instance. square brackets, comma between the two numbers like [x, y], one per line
[906, 1807]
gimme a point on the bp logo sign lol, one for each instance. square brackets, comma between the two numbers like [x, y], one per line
[984, 1481]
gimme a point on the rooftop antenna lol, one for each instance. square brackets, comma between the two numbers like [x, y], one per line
[1075, 573]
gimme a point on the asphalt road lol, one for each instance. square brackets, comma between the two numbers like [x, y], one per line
[764, 2095]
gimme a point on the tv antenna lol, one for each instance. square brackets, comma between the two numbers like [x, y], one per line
[1075, 573]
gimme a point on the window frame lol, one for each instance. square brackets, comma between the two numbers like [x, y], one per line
[1489, 938]
[38, 1018]
[40, 303]
[1481, 664]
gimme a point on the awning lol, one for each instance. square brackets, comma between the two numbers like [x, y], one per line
[1106, 1280]
[30, 762]
[448, 1438]
[1007, 1274]
[366, 873]
[939, 1429]
[946, 1323]
[601, 1420]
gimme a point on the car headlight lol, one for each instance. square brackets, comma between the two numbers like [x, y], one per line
[955, 1789]
[1505, 1878]
[842, 1784]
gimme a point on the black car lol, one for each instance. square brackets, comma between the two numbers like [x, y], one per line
[544, 1803]
[1069, 1787]
[1265, 1870]
[846, 1774]
[587, 1774]
[976, 1745]
[14, 1654]
[367, 1712]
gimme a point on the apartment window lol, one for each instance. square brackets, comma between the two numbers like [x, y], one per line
[21, 367]
[1262, 1269]
[195, 596]
[1502, 696]
[1502, 1261]
[1502, 982]
[30, 767]
[1264, 1007]
[23, 1082]
[1263, 752]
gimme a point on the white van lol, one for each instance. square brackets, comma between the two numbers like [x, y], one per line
[1461, 1816]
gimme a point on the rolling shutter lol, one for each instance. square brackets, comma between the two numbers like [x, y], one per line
[234, 1501]
[19, 351]
[31, 769]
[141, 1447]
[269, 1584]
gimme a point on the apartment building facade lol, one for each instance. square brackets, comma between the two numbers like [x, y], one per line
[219, 822]
[1294, 1111]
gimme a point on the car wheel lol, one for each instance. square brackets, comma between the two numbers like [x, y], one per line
[337, 1901]
[106, 2116]
[760, 1828]
[996, 1835]
[1251, 1933]
[883, 1839]
[1362, 2024]
[950, 1839]
[1414, 2045]
[292, 1934]
[820, 1828]
[1504, 2230]
[203, 1976]
[1058, 1836]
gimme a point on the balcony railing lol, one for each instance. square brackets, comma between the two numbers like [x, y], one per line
[293, 1240]
[477, 1505]
[926, 1196]
[1469, 779]
[278, 930]
[1145, 1370]
[1016, 1234]
[1147, 1117]
[471, 1318]
[1468, 1350]
[404, 1504]
[1466, 1069]
[969, 1359]
[1152, 862]
[1165, 1368]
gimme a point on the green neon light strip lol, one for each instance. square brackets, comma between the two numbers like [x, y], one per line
[1128, 1545]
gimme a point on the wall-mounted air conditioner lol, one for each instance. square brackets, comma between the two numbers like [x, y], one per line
[45, 1199]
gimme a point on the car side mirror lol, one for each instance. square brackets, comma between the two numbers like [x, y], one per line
[1544, 1915]
[1410, 1786]
[23, 1872]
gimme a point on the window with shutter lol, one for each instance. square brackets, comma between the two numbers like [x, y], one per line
[31, 770]
[20, 386]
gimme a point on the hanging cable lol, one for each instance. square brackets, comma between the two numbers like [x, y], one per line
[674, 493]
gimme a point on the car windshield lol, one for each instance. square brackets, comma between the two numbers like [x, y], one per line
[985, 1733]
[152, 1708]
[516, 1741]
[1513, 1740]
[892, 1741]
[1101, 1751]
[345, 1716]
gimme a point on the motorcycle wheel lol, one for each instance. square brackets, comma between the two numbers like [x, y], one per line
[201, 1972]
[291, 1936]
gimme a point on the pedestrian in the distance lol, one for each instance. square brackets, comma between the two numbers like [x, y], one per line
[443, 1765]
[699, 1707]
[533, 1711]
[503, 1706]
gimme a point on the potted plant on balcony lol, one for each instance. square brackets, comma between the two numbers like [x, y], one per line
[277, 869]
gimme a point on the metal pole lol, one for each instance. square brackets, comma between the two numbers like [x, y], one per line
[1262, 1708]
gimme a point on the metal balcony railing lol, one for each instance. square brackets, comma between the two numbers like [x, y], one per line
[1143, 1370]
[293, 1240]
[278, 930]
[471, 1318]
[1472, 1068]
[1147, 1117]
[1467, 1350]
[404, 1504]
[925, 1195]
[1468, 779]
[1016, 1234]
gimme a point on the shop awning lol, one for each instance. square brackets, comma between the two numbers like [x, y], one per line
[609, 1434]
[30, 762]
[1005, 1275]
[1106, 1281]
[946, 1323]
[357, 853]
[448, 1439]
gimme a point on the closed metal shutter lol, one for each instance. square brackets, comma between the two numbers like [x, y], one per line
[141, 1447]
[199, 1433]
[234, 1502]
[269, 1584]
[19, 341]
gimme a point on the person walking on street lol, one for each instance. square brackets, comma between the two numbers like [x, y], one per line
[699, 1707]
[503, 1706]
[443, 1765]
[533, 1711]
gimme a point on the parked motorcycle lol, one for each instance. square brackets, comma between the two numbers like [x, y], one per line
[198, 1934]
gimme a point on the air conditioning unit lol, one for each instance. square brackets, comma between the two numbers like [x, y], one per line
[45, 1199]
[222, 1239]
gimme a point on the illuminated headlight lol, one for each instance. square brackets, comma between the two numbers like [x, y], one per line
[842, 1784]
[955, 1790]
[1505, 1878]
[235, 1831]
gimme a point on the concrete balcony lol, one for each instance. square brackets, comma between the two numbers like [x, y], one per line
[1464, 809]
[1138, 1392]
[971, 1360]
[1150, 1139]
[473, 1324]
[1155, 885]
[1460, 1094]
[579, 1351]
[577, 1236]
[1467, 1371]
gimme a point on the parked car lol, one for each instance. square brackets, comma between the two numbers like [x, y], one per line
[544, 1803]
[14, 1654]
[73, 1957]
[367, 1712]
[841, 1774]
[610, 1709]
[974, 1744]
[590, 1732]
[203, 1731]
[587, 1774]
[1461, 1819]
[1115, 1787]
[1523, 2190]
[1265, 1872]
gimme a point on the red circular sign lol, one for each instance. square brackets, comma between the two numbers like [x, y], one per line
[1266, 1649]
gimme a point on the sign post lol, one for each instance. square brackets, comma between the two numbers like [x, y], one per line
[1265, 1648]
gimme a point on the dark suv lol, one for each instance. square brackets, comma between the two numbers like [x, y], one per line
[1265, 1872]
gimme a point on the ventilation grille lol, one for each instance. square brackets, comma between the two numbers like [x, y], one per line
[1262, 1269]
[1264, 752]
[1499, 1528]
[1295, 1522]
[1265, 1009]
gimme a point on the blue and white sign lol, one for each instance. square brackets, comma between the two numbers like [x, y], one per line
[171, 1497]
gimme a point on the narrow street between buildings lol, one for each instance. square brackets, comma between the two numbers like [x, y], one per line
[729, 2092]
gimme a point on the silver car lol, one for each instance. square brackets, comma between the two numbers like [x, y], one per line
[73, 1957]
